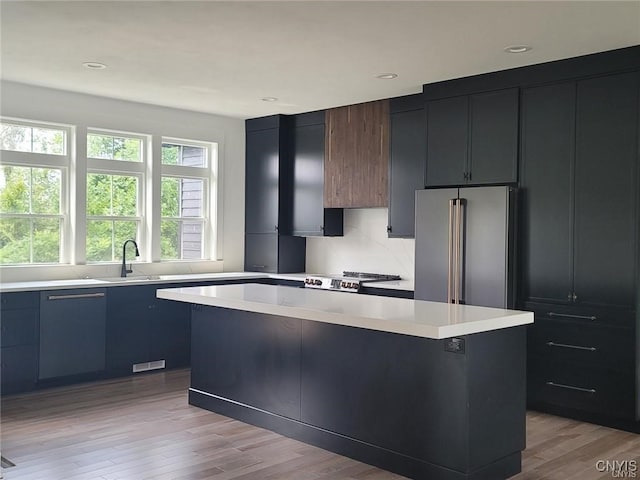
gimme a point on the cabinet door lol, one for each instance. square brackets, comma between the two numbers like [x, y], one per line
[18, 368]
[262, 177]
[261, 253]
[548, 132]
[128, 313]
[72, 332]
[407, 164]
[308, 181]
[606, 183]
[494, 137]
[170, 333]
[447, 141]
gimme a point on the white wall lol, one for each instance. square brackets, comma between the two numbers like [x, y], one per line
[365, 247]
[49, 105]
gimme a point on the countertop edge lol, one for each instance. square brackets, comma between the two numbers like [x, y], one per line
[514, 319]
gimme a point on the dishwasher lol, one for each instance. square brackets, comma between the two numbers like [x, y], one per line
[72, 332]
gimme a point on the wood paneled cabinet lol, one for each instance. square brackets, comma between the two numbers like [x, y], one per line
[408, 151]
[579, 190]
[473, 139]
[310, 218]
[357, 156]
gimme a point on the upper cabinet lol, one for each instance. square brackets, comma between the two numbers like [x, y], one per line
[268, 198]
[310, 218]
[579, 184]
[268, 165]
[408, 151]
[473, 139]
[357, 156]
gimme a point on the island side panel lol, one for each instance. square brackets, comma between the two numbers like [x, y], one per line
[247, 357]
[497, 395]
[398, 392]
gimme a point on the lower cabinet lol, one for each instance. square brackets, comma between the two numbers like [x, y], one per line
[582, 362]
[142, 328]
[72, 332]
[19, 319]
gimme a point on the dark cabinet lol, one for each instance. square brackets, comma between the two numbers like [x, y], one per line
[606, 180]
[579, 179]
[72, 332]
[310, 218]
[142, 328]
[19, 318]
[268, 198]
[273, 253]
[267, 158]
[473, 139]
[249, 358]
[582, 361]
[408, 151]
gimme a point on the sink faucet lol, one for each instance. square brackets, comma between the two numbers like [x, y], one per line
[124, 270]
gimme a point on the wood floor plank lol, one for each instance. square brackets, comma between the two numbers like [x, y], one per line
[142, 427]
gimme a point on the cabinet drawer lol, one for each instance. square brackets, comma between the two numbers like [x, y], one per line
[19, 327]
[12, 301]
[572, 342]
[583, 314]
[19, 365]
[585, 388]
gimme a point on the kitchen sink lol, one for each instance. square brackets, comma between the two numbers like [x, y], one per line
[131, 278]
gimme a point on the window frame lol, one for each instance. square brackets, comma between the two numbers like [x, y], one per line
[119, 167]
[208, 175]
[59, 162]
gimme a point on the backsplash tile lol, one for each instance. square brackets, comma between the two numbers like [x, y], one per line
[365, 247]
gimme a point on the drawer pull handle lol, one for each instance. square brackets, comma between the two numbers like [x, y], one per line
[571, 387]
[78, 295]
[566, 345]
[566, 315]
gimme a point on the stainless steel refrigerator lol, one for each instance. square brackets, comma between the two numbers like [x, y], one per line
[465, 246]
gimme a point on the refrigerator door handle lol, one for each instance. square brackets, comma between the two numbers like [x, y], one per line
[461, 212]
[456, 254]
[451, 249]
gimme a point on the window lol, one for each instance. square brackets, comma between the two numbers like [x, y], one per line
[184, 200]
[26, 138]
[62, 205]
[114, 147]
[115, 179]
[33, 179]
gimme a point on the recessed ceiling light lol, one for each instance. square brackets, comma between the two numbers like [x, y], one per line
[387, 76]
[517, 49]
[94, 65]
[269, 99]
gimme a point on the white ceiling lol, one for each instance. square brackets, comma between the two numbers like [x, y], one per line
[223, 57]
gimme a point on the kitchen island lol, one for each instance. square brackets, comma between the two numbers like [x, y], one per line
[424, 389]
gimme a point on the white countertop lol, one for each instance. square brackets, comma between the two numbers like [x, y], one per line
[6, 287]
[397, 315]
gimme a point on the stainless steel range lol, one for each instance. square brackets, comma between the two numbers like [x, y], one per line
[348, 282]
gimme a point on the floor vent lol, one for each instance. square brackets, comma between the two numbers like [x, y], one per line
[146, 366]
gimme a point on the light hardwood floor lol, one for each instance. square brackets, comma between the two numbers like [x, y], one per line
[143, 428]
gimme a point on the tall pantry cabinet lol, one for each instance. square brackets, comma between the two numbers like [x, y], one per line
[580, 225]
[269, 246]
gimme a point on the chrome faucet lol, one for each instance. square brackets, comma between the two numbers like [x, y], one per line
[124, 270]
